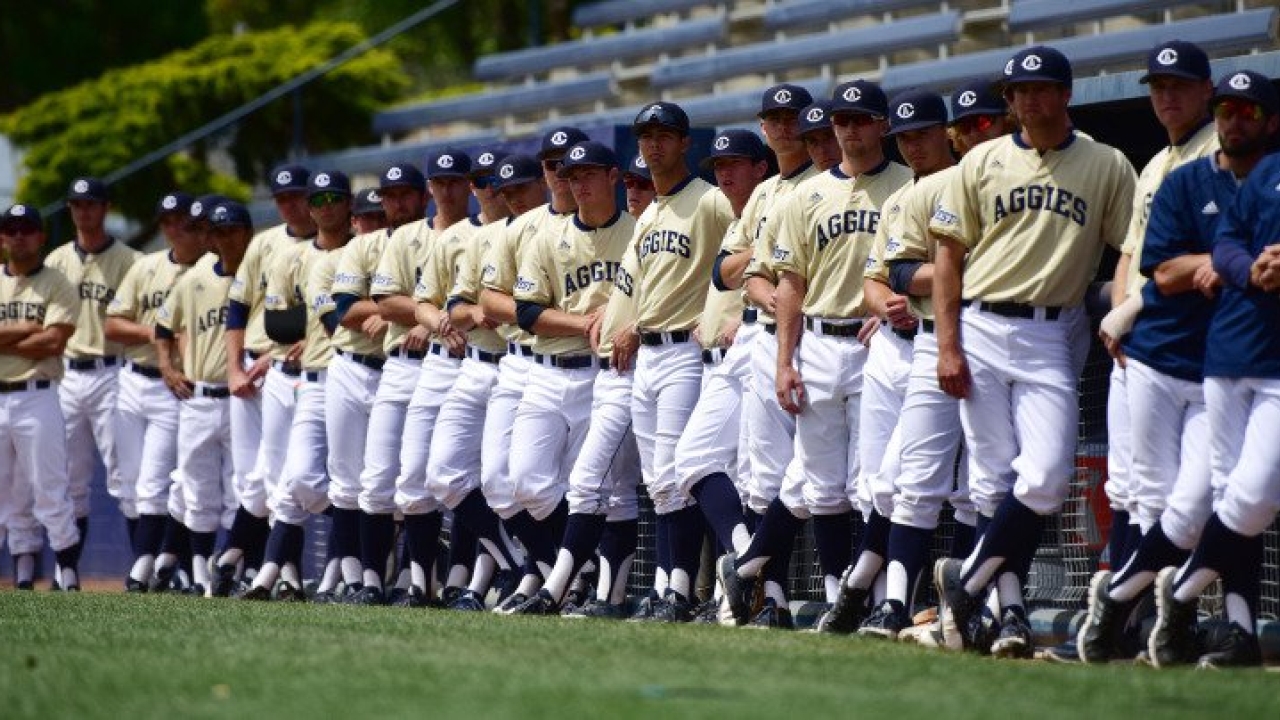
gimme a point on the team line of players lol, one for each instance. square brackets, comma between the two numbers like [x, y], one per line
[761, 352]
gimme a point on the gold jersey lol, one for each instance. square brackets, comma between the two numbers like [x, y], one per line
[250, 285]
[141, 295]
[97, 276]
[760, 217]
[196, 311]
[911, 241]
[502, 259]
[621, 310]
[457, 252]
[722, 309]
[45, 297]
[290, 286]
[324, 278]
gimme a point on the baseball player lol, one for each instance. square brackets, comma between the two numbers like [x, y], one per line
[1028, 249]
[195, 311]
[1242, 395]
[1164, 357]
[1178, 78]
[39, 311]
[303, 486]
[564, 280]
[96, 264]
[823, 241]
[262, 372]
[814, 129]
[639, 186]
[677, 239]
[507, 190]
[367, 214]
[146, 411]
[978, 114]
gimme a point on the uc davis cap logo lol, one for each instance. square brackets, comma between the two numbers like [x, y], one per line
[782, 96]
[374, 196]
[444, 161]
[721, 143]
[1240, 81]
[1167, 56]
[814, 115]
[1008, 67]
[577, 153]
[170, 202]
[906, 110]
[1032, 63]
[197, 208]
[220, 213]
[18, 210]
[506, 171]
[559, 138]
[640, 163]
[284, 177]
[853, 94]
[394, 173]
[322, 180]
[82, 186]
[485, 159]
[967, 98]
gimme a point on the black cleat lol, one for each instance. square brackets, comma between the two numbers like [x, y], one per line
[513, 601]
[25, 585]
[1173, 639]
[1100, 636]
[287, 592]
[645, 608]
[708, 613]
[848, 612]
[255, 592]
[1238, 648]
[886, 621]
[224, 580]
[540, 604]
[773, 616]
[597, 609]
[134, 587]
[959, 611]
[1014, 640]
[674, 608]
[449, 594]
[368, 596]
[738, 591]
[326, 597]
[467, 601]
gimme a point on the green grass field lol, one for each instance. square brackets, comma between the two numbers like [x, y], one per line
[114, 655]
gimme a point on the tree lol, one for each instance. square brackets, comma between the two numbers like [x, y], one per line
[103, 124]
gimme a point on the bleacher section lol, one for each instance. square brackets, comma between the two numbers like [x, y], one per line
[714, 56]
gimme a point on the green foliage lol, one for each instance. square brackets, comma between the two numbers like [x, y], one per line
[103, 124]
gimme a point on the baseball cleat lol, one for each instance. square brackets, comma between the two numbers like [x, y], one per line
[738, 590]
[887, 621]
[849, 610]
[326, 597]
[132, 586]
[958, 609]
[468, 601]
[674, 608]
[1014, 640]
[708, 613]
[368, 595]
[25, 585]
[645, 608]
[509, 605]
[773, 616]
[1066, 653]
[224, 580]
[1238, 648]
[286, 592]
[449, 594]
[255, 592]
[540, 604]
[597, 609]
[1173, 638]
[1099, 637]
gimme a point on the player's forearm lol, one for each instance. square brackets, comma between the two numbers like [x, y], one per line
[732, 268]
[398, 309]
[13, 333]
[555, 323]
[791, 290]
[164, 354]
[876, 294]
[1177, 275]
[126, 332]
[498, 306]
[922, 281]
[235, 350]
[759, 291]
[946, 294]
[464, 315]
[360, 311]
[49, 342]
[1120, 282]
[429, 315]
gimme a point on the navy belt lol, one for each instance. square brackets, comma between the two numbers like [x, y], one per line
[713, 356]
[771, 328]
[907, 334]
[252, 354]
[210, 392]
[566, 362]
[750, 315]
[24, 386]
[519, 350]
[411, 354]
[483, 356]
[144, 370]
[833, 329]
[664, 338]
[1014, 309]
[927, 326]
[311, 375]
[292, 369]
[604, 363]
[93, 363]
[373, 362]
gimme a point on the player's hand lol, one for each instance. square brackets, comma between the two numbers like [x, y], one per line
[258, 370]
[1206, 280]
[898, 312]
[790, 389]
[771, 303]
[1113, 346]
[294, 356]
[373, 326]
[416, 339]
[625, 343]
[953, 373]
[482, 320]
[240, 383]
[869, 330]
[455, 341]
[177, 383]
[1265, 271]
[591, 320]
[593, 333]
[730, 333]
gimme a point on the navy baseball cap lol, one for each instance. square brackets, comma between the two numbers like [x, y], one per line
[916, 109]
[816, 117]
[21, 215]
[666, 114]
[587, 154]
[449, 163]
[784, 97]
[202, 206]
[88, 188]
[516, 170]
[174, 202]
[368, 202]
[402, 175]
[1039, 63]
[639, 168]
[560, 140]
[736, 144]
[485, 163]
[859, 96]
[1177, 58]
[1248, 85]
[329, 181]
[977, 97]
[288, 178]
[230, 213]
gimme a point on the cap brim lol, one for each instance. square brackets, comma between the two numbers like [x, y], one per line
[284, 190]
[917, 125]
[9, 223]
[970, 112]
[1021, 79]
[564, 170]
[659, 123]
[709, 162]
[447, 174]
[1171, 73]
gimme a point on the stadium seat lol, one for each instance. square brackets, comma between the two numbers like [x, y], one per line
[1028, 15]
[808, 50]
[812, 13]
[374, 159]
[614, 12]
[487, 105]
[589, 52]
[1215, 33]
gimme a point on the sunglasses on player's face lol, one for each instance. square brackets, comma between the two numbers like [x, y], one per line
[1234, 107]
[323, 199]
[975, 123]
